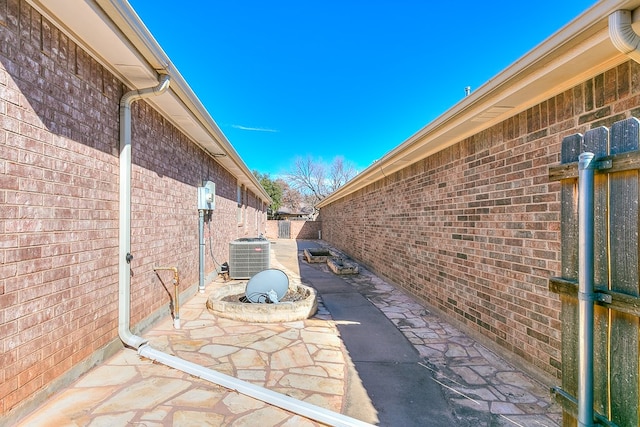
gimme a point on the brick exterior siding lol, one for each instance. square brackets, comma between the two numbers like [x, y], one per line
[305, 230]
[474, 230]
[59, 147]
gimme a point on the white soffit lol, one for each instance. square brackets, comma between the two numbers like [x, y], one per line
[100, 38]
[97, 34]
[109, 42]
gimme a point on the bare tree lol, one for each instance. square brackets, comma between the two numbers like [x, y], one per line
[310, 177]
[341, 173]
[291, 198]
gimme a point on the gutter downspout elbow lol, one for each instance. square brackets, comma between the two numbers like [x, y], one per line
[622, 35]
[124, 253]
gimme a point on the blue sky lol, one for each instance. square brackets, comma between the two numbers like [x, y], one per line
[351, 78]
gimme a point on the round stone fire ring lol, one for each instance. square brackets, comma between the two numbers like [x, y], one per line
[299, 303]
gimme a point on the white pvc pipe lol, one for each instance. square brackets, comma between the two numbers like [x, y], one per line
[124, 300]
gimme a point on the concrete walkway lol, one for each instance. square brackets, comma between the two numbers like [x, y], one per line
[401, 390]
[371, 352]
[480, 388]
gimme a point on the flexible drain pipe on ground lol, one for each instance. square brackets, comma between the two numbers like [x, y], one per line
[124, 293]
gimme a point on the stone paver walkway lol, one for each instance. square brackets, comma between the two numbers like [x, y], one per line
[484, 389]
[301, 359]
[305, 360]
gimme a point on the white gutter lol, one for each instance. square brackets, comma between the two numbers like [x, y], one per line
[575, 53]
[127, 20]
[124, 288]
[623, 37]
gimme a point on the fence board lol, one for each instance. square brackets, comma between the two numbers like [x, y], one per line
[284, 229]
[624, 277]
[569, 263]
[616, 272]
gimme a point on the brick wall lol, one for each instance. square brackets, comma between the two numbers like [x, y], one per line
[59, 128]
[306, 230]
[474, 230]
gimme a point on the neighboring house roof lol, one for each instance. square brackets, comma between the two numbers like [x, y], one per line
[284, 210]
[114, 35]
[579, 51]
[303, 211]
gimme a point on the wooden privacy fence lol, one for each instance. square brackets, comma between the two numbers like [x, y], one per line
[616, 272]
[284, 229]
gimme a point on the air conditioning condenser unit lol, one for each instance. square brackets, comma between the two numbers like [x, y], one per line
[248, 256]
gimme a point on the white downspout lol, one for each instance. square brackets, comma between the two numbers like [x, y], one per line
[622, 35]
[124, 301]
[124, 255]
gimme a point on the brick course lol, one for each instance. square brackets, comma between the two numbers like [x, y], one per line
[59, 139]
[474, 229]
[307, 230]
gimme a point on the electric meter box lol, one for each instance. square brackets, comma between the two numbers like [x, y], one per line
[207, 196]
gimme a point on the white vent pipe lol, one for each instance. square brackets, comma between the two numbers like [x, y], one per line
[622, 35]
[124, 301]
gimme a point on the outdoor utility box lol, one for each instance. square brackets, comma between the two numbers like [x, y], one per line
[207, 196]
[248, 256]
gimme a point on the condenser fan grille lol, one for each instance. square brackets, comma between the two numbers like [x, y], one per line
[247, 257]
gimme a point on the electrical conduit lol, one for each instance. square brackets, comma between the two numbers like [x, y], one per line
[201, 250]
[124, 290]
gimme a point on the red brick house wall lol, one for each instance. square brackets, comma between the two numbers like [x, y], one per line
[306, 230]
[474, 230]
[59, 148]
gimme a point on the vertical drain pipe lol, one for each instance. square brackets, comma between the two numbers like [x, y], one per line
[124, 255]
[280, 400]
[201, 251]
[586, 295]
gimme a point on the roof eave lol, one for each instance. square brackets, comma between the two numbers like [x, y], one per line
[577, 52]
[114, 35]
